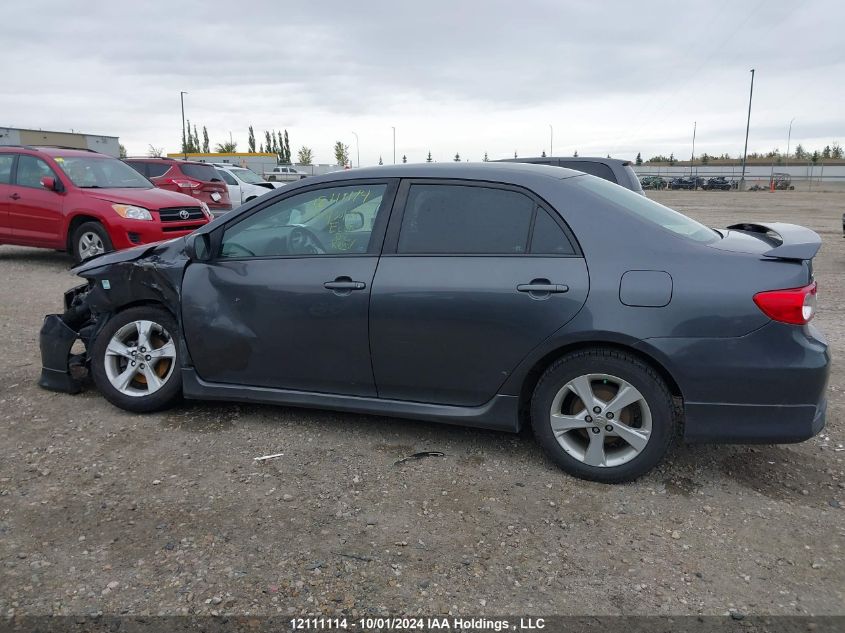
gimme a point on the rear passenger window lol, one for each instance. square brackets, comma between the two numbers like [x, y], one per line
[6, 161]
[548, 237]
[227, 177]
[139, 167]
[594, 169]
[458, 219]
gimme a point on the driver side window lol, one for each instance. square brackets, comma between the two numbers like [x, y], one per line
[330, 221]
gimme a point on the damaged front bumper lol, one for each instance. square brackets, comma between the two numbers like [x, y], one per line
[61, 369]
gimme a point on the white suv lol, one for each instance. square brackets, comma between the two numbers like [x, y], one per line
[243, 184]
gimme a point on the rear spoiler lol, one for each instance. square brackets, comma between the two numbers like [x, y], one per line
[793, 241]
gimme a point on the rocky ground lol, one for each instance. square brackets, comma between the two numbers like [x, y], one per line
[106, 511]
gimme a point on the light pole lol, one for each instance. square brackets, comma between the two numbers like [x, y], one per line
[692, 157]
[747, 128]
[788, 139]
[357, 149]
[394, 144]
[551, 140]
[184, 138]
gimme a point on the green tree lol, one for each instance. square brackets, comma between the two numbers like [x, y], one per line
[485, 159]
[672, 158]
[575, 155]
[205, 144]
[639, 160]
[196, 141]
[287, 148]
[800, 152]
[250, 141]
[543, 155]
[268, 143]
[705, 158]
[341, 153]
[274, 145]
[380, 162]
[404, 158]
[226, 148]
[457, 158]
[836, 150]
[514, 153]
[815, 157]
[121, 150]
[188, 143]
[155, 152]
[428, 159]
[305, 156]
[826, 151]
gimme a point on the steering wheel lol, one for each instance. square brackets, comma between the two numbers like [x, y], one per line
[304, 242]
[233, 249]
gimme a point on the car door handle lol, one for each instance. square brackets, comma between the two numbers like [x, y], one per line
[542, 288]
[344, 283]
[15, 196]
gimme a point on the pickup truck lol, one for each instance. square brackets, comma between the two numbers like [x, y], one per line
[283, 173]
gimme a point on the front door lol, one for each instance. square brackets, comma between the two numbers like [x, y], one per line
[476, 278]
[285, 302]
[35, 213]
[7, 161]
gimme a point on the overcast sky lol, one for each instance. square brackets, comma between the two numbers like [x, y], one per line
[469, 77]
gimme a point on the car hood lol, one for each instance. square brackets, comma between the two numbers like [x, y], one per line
[168, 247]
[152, 199]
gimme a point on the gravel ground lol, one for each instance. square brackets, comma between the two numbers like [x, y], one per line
[106, 511]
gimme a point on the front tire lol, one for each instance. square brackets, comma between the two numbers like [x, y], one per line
[89, 240]
[603, 415]
[135, 360]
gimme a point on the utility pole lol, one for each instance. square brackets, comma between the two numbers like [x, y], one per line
[394, 144]
[747, 128]
[692, 157]
[551, 141]
[184, 138]
[788, 138]
[357, 149]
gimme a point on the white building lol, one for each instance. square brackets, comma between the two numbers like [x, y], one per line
[97, 142]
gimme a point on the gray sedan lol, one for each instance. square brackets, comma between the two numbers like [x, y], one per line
[487, 295]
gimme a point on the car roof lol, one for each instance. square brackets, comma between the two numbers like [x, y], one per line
[167, 159]
[55, 150]
[574, 159]
[515, 173]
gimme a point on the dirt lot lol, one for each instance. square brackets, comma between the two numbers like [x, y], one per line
[105, 511]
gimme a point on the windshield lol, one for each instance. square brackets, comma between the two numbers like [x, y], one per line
[646, 209]
[90, 172]
[247, 176]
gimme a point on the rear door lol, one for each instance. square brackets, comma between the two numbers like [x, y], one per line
[35, 213]
[472, 278]
[7, 163]
[236, 193]
[285, 303]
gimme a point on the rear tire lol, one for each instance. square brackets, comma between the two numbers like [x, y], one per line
[88, 240]
[135, 360]
[622, 434]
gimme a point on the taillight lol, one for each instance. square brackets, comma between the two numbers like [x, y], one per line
[187, 184]
[792, 305]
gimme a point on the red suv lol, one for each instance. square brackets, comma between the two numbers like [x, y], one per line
[199, 180]
[86, 203]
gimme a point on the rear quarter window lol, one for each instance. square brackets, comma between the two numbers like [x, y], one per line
[628, 201]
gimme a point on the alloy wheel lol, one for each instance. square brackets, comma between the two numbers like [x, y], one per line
[601, 420]
[140, 358]
[90, 244]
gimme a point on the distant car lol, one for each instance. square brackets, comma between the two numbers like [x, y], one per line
[718, 183]
[284, 173]
[488, 294]
[86, 203]
[614, 170]
[652, 182]
[199, 180]
[685, 182]
[243, 184]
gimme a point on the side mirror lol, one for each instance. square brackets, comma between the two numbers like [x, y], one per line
[198, 247]
[49, 183]
[353, 221]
